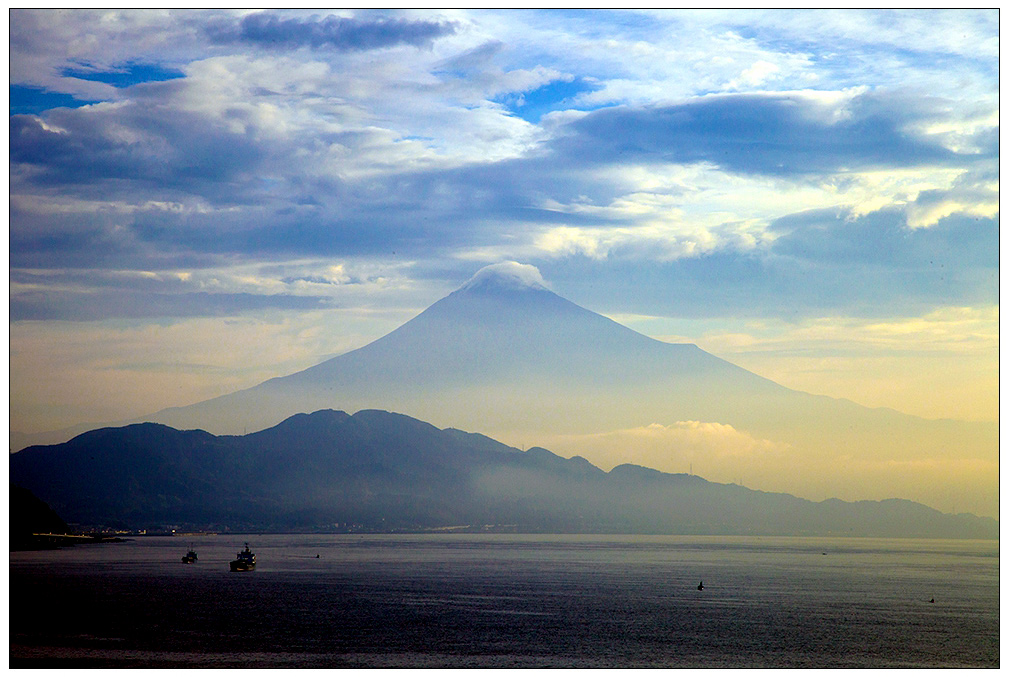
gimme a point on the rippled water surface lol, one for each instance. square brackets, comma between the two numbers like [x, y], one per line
[458, 600]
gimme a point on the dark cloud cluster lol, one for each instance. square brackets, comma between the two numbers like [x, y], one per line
[882, 238]
[770, 134]
[134, 150]
[272, 30]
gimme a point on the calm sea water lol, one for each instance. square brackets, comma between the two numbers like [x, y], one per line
[455, 600]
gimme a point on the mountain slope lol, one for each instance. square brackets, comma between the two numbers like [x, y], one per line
[387, 471]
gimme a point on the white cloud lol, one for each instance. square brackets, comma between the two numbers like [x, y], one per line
[673, 448]
[510, 274]
[754, 76]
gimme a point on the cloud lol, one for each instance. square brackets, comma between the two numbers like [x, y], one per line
[227, 198]
[273, 30]
[231, 200]
[129, 147]
[972, 194]
[962, 32]
[510, 274]
[674, 447]
[756, 74]
[962, 330]
[811, 264]
[730, 201]
[793, 134]
[299, 286]
[722, 453]
[82, 306]
[950, 249]
[472, 60]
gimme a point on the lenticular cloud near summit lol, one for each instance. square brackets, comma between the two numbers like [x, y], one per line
[507, 275]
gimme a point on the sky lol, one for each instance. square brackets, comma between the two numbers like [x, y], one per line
[201, 200]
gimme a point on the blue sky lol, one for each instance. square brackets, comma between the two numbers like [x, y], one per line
[201, 200]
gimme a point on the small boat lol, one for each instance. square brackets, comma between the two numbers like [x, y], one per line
[244, 561]
[189, 557]
[700, 586]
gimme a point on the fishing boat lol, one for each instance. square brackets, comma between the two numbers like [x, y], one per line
[244, 561]
[189, 557]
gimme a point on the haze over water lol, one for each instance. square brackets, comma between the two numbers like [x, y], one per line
[459, 600]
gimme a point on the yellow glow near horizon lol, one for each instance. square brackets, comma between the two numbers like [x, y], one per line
[942, 365]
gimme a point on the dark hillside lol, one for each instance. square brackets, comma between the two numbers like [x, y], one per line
[28, 516]
[383, 471]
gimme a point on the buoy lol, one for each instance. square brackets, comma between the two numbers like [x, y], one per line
[700, 586]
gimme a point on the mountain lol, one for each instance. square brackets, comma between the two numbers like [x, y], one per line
[501, 353]
[382, 471]
[506, 356]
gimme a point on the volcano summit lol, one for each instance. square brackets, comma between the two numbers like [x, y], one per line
[502, 351]
[505, 356]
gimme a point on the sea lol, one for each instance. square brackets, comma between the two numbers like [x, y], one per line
[458, 600]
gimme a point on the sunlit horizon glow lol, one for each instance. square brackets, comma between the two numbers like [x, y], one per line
[203, 200]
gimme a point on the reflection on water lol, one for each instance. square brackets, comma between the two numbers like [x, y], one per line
[455, 600]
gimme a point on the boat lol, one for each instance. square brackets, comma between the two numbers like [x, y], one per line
[189, 557]
[244, 561]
